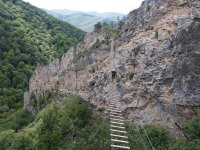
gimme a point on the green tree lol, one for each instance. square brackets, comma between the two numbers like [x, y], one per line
[21, 141]
[6, 138]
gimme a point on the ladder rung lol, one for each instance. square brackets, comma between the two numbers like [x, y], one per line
[116, 122]
[120, 141]
[112, 101]
[112, 107]
[117, 127]
[117, 131]
[115, 104]
[115, 135]
[115, 113]
[116, 119]
[118, 110]
[118, 105]
[113, 110]
[116, 116]
[123, 147]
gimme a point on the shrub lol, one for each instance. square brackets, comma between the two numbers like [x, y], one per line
[192, 129]
[186, 145]
[116, 33]
[159, 137]
[131, 75]
[22, 141]
[136, 50]
[97, 27]
[6, 138]
[80, 54]
[96, 44]
[107, 40]
[16, 120]
[70, 126]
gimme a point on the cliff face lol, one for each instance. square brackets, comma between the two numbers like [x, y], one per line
[156, 58]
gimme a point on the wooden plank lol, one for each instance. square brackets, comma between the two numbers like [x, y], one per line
[117, 122]
[120, 141]
[119, 136]
[123, 147]
[117, 119]
[112, 126]
[118, 131]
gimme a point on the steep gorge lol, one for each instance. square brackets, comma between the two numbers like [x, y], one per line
[156, 57]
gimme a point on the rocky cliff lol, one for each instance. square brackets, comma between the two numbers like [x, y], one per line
[156, 57]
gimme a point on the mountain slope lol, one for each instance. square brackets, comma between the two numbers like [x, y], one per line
[28, 36]
[84, 20]
[156, 59]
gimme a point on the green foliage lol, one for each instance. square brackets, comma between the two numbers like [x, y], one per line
[70, 126]
[96, 44]
[116, 33]
[136, 50]
[107, 40]
[28, 36]
[73, 125]
[15, 120]
[80, 54]
[137, 139]
[120, 23]
[159, 137]
[6, 138]
[131, 75]
[15, 141]
[192, 129]
[21, 141]
[186, 145]
[97, 26]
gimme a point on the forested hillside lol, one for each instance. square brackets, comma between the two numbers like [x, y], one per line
[28, 36]
[71, 126]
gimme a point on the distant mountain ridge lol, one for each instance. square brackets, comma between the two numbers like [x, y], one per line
[84, 20]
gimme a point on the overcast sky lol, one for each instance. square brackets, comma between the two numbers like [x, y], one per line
[121, 6]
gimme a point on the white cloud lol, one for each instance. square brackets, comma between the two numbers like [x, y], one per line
[121, 6]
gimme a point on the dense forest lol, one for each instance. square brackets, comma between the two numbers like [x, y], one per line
[28, 36]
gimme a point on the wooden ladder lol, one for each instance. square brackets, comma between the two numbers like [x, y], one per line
[119, 138]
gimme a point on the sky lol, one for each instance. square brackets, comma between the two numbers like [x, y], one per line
[120, 6]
